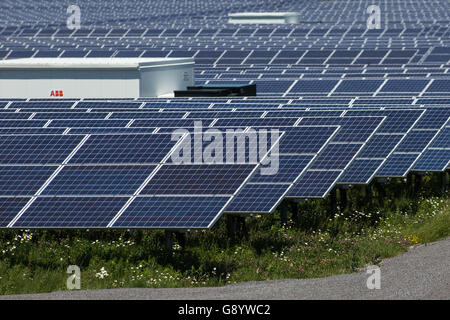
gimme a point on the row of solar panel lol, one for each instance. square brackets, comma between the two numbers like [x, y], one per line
[239, 54]
[258, 31]
[433, 119]
[314, 181]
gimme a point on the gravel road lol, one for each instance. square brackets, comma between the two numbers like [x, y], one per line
[421, 273]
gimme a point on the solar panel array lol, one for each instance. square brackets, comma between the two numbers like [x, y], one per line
[348, 105]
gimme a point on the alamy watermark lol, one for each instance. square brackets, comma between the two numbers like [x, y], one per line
[374, 19]
[74, 20]
[74, 280]
[231, 146]
[374, 280]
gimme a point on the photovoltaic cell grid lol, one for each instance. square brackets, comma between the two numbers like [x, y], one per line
[414, 148]
[322, 123]
[437, 156]
[334, 159]
[397, 126]
[297, 149]
[95, 174]
[279, 68]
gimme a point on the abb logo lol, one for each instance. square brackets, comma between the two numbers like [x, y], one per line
[56, 93]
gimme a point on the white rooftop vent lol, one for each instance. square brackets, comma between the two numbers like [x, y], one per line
[94, 77]
[264, 17]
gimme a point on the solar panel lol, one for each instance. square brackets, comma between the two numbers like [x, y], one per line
[210, 179]
[42, 149]
[257, 198]
[404, 85]
[336, 156]
[354, 129]
[314, 184]
[9, 207]
[98, 180]
[124, 149]
[397, 165]
[360, 171]
[442, 140]
[416, 141]
[70, 212]
[23, 180]
[323, 86]
[358, 86]
[290, 167]
[380, 145]
[63, 156]
[397, 121]
[433, 160]
[171, 212]
[434, 118]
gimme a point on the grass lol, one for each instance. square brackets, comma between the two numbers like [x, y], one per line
[36, 261]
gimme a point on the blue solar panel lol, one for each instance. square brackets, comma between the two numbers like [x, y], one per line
[98, 180]
[14, 115]
[401, 53]
[9, 208]
[148, 115]
[43, 104]
[416, 141]
[124, 149]
[279, 86]
[74, 54]
[290, 166]
[23, 180]
[256, 122]
[318, 53]
[19, 54]
[224, 114]
[316, 86]
[434, 118]
[433, 160]
[379, 146]
[305, 139]
[36, 149]
[353, 129]
[397, 165]
[100, 54]
[168, 123]
[442, 140]
[314, 184]
[404, 85]
[439, 86]
[397, 121]
[67, 115]
[373, 53]
[358, 86]
[128, 53]
[380, 73]
[87, 123]
[336, 156]
[257, 198]
[21, 123]
[47, 54]
[198, 179]
[31, 131]
[360, 171]
[290, 54]
[171, 212]
[70, 212]
[235, 54]
[85, 131]
[109, 104]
